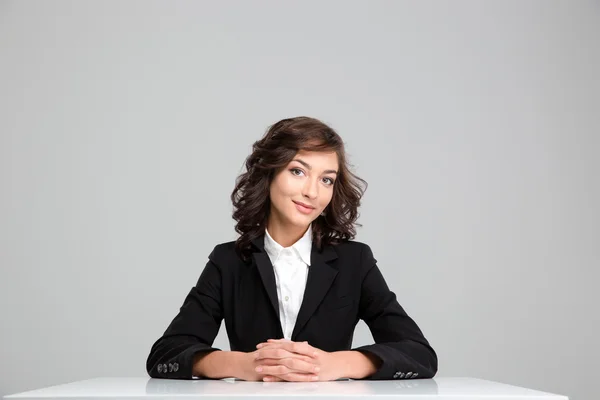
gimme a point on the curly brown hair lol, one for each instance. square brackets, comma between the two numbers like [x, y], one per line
[273, 152]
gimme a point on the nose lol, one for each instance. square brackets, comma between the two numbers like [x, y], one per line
[310, 189]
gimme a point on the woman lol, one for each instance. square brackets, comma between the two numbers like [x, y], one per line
[293, 286]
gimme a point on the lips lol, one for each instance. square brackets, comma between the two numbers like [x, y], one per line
[304, 205]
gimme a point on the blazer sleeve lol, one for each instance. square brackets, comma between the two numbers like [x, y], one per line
[192, 331]
[399, 343]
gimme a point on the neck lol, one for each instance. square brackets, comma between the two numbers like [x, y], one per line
[285, 235]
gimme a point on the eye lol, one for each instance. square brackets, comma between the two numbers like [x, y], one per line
[328, 181]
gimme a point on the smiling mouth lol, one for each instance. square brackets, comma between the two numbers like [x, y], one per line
[304, 205]
[303, 209]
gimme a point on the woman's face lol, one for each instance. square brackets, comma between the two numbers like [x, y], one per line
[309, 179]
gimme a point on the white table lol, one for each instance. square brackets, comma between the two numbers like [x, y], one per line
[415, 389]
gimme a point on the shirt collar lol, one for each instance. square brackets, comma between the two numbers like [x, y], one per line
[301, 248]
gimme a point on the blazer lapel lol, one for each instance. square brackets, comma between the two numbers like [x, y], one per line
[320, 278]
[267, 275]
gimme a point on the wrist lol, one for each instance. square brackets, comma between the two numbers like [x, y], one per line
[219, 364]
[233, 364]
[241, 363]
[354, 364]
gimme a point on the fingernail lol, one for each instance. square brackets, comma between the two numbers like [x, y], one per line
[317, 369]
[315, 354]
[315, 378]
[266, 379]
[258, 369]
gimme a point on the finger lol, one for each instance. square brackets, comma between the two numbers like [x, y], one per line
[272, 352]
[277, 345]
[291, 377]
[297, 377]
[277, 361]
[293, 364]
[271, 378]
[294, 347]
[298, 365]
[287, 366]
[279, 353]
[277, 370]
[269, 341]
[267, 344]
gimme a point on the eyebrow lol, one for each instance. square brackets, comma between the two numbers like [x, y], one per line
[329, 171]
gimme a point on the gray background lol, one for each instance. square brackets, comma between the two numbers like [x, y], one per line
[124, 124]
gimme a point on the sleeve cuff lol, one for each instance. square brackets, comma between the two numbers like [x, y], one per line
[181, 366]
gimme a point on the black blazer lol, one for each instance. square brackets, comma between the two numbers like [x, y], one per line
[344, 285]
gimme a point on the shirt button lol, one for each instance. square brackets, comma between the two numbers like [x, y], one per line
[286, 298]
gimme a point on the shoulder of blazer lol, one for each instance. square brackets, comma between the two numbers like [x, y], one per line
[224, 254]
[351, 246]
[355, 250]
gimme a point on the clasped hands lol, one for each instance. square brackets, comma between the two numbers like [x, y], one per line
[279, 360]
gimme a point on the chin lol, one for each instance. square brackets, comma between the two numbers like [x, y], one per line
[301, 220]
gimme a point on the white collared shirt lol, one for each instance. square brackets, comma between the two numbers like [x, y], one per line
[290, 265]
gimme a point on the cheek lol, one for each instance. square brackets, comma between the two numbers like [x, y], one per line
[326, 200]
[287, 187]
[281, 190]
